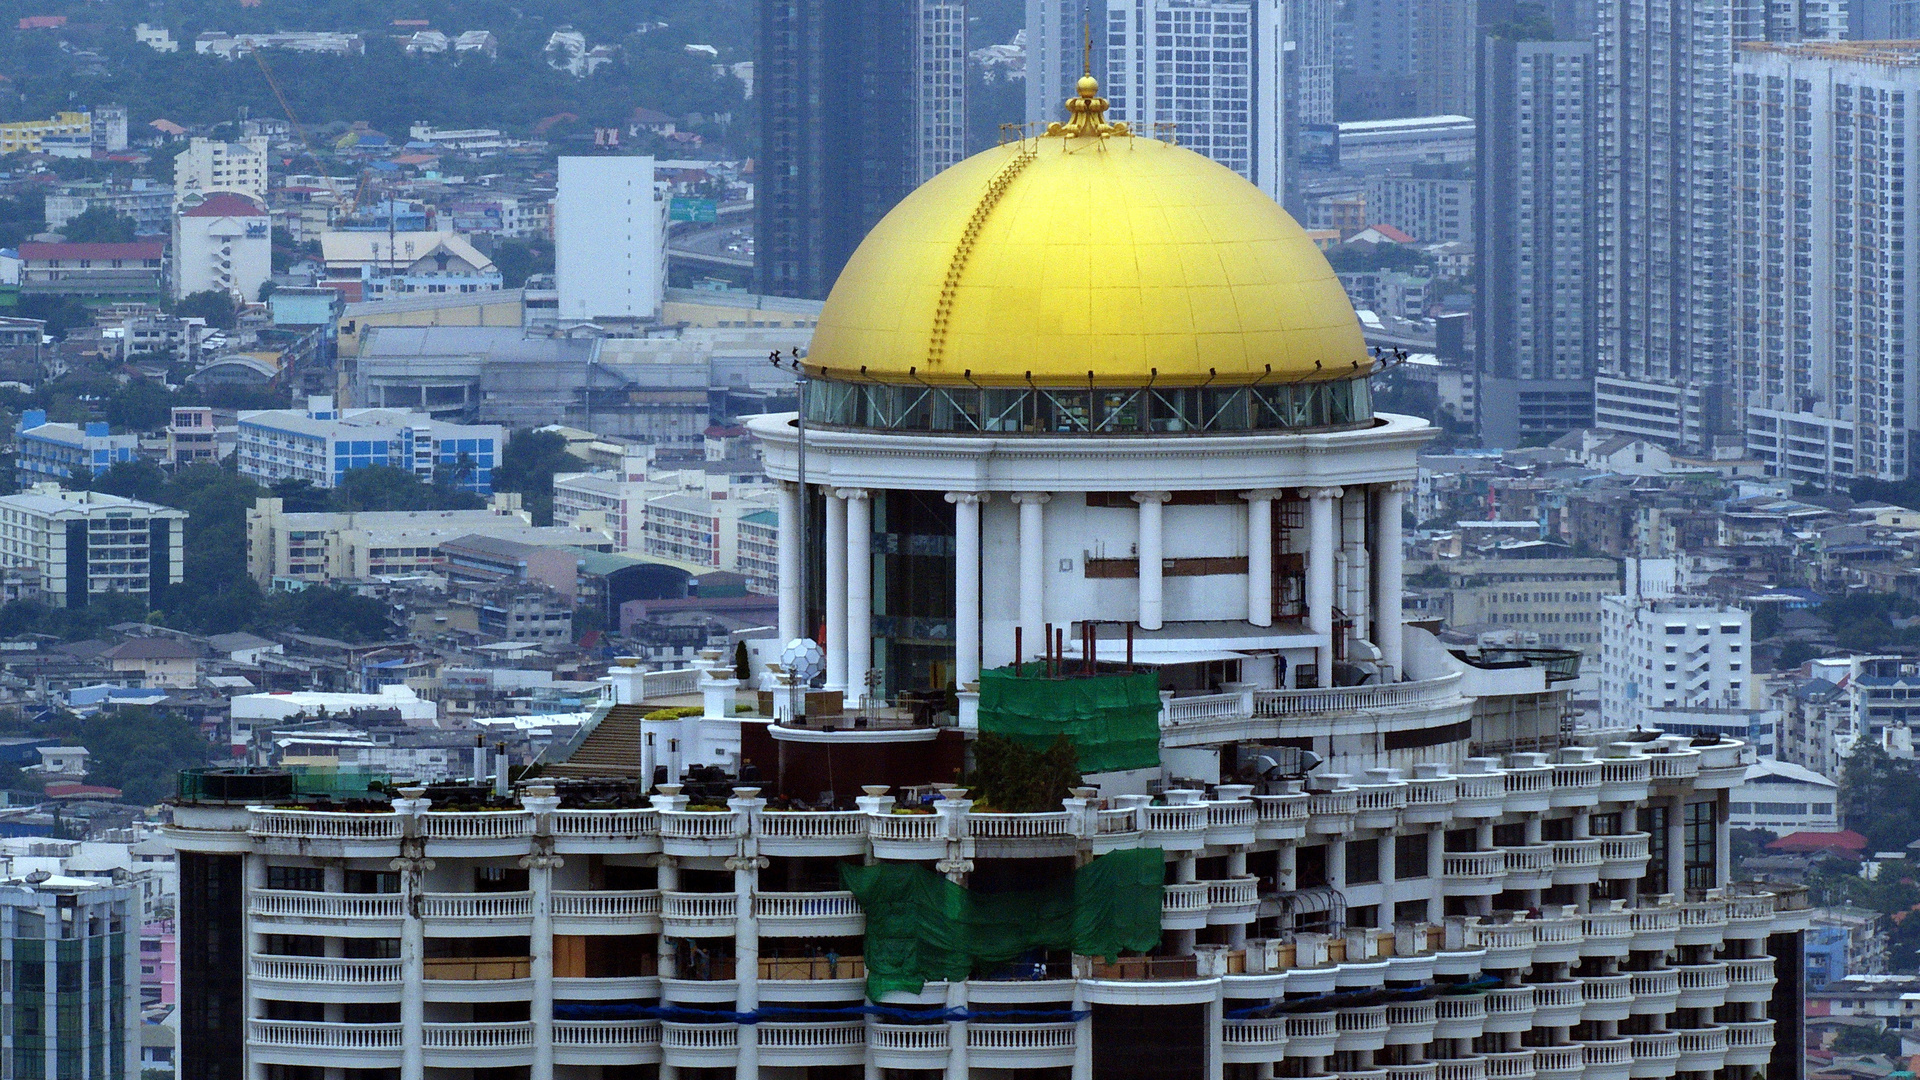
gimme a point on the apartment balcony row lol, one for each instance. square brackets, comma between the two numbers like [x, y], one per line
[511, 914]
[1382, 799]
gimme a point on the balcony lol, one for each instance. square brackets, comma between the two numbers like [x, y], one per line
[1378, 805]
[1655, 1055]
[910, 1046]
[1410, 1023]
[699, 1046]
[684, 914]
[1330, 813]
[1576, 862]
[1510, 1065]
[1231, 824]
[1507, 945]
[364, 835]
[1459, 1016]
[478, 914]
[1654, 928]
[1558, 1004]
[1558, 1062]
[1232, 901]
[1606, 997]
[1557, 938]
[908, 836]
[1472, 873]
[809, 914]
[1750, 915]
[476, 833]
[1509, 1008]
[1020, 1046]
[1529, 784]
[1702, 1050]
[1750, 980]
[1702, 986]
[606, 1042]
[1280, 817]
[1177, 828]
[1702, 922]
[821, 834]
[1361, 1028]
[1253, 1041]
[1576, 783]
[1312, 1034]
[1184, 906]
[1529, 866]
[1349, 699]
[606, 831]
[1655, 993]
[315, 978]
[1625, 779]
[1419, 1070]
[1467, 1068]
[348, 914]
[1669, 765]
[1606, 1059]
[1624, 857]
[839, 1042]
[1749, 1042]
[1027, 836]
[630, 912]
[299, 1042]
[1430, 796]
[1480, 791]
[1723, 765]
[698, 833]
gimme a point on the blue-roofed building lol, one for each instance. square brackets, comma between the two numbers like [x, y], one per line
[321, 444]
[59, 452]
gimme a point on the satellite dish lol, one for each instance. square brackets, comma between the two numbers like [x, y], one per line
[804, 658]
[38, 876]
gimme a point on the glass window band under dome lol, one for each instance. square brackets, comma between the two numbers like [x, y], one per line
[1102, 410]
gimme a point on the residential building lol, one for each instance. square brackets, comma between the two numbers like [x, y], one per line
[251, 712]
[109, 128]
[73, 944]
[1061, 46]
[521, 612]
[1406, 141]
[1211, 71]
[133, 270]
[1783, 798]
[157, 38]
[150, 205]
[1827, 355]
[1536, 313]
[34, 136]
[88, 544]
[207, 166]
[1445, 32]
[1672, 653]
[481, 559]
[1559, 599]
[59, 452]
[603, 501]
[370, 265]
[847, 90]
[299, 548]
[229, 46]
[319, 444]
[1883, 20]
[223, 244]
[694, 530]
[1434, 205]
[157, 661]
[609, 240]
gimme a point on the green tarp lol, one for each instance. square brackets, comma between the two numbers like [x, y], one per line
[923, 928]
[1113, 721]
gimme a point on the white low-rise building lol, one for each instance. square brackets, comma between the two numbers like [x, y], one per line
[251, 711]
[222, 243]
[87, 544]
[1783, 798]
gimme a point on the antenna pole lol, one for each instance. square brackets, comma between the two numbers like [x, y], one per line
[806, 505]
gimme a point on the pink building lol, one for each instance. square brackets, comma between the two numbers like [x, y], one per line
[159, 961]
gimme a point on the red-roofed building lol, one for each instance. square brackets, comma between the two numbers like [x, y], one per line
[1845, 842]
[222, 243]
[93, 269]
[1380, 234]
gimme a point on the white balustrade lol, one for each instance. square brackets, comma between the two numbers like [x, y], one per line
[1288, 809]
[1116, 822]
[508, 1036]
[633, 904]
[1750, 1035]
[677, 1036]
[913, 1037]
[905, 828]
[1270, 1032]
[701, 825]
[1529, 860]
[268, 823]
[482, 907]
[805, 905]
[680, 682]
[1575, 854]
[477, 825]
[1017, 1037]
[1203, 707]
[801, 826]
[1020, 826]
[704, 907]
[1655, 1046]
[606, 824]
[313, 1035]
[1510, 1065]
[1190, 818]
[606, 1034]
[1468, 1068]
[329, 970]
[1605, 926]
[1270, 703]
[1557, 1059]
[326, 907]
[831, 1035]
[1420, 1070]
[1674, 764]
[1474, 864]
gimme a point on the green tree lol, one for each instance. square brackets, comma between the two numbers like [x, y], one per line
[99, 226]
[1866, 1040]
[60, 313]
[1880, 798]
[217, 594]
[331, 612]
[384, 487]
[21, 217]
[528, 464]
[300, 496]
[1012, 777]
[137, 479]
[140, 405]
[215, 307]
[140, 750]
[519, 259]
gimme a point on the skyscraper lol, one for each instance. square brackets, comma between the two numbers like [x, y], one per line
[1211, 69]
[1664, 239]
[861, 99]
[1535, 221]
[1825, 311]
[1058, 34]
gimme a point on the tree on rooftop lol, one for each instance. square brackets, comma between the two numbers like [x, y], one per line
[528, 464]
[209, 304]
[99, 225]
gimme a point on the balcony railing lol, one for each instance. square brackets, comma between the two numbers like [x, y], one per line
[1750, 1035]
[606, 824]
[1353, 698]
[1021, 826]
[1558, 1059]
[831, 1035]
[1188, 710]
[606, 1034]
[499, 825]
[480, 907]
[326, 907]
[1510, 1065]
[1018, 1037]
[631, 904]
[674, 1036]
[805, 905]
[313, 1035]
[706, 825]
[1469, 1068]
[906, 828]
[268, 823]
[930, 1038]
[327, 970]
[703, 907]
[1474, 864]
[800, 827]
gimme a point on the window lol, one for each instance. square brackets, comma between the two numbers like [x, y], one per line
[1410, 856]
[1653, 821]
[297, 878]
[1363, 862]
[1702, 849]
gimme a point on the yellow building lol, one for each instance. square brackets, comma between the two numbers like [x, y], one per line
[26, 135]
[504, 307]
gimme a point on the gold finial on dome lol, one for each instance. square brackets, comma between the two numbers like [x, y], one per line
[1088, 112]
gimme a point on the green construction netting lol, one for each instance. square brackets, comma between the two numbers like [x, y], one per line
[1113, 721]
[923, 928]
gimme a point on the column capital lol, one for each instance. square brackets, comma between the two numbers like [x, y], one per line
[1322, 494]
[1264, 494]
[852, 494]
[1035, 498]
[1144, 497]
[1398, 487]
[958, 497]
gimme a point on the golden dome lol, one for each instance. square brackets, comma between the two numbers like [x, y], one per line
[1089, 250]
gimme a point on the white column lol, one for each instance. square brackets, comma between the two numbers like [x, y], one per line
[791, 604]
[253, 870]
[1353, 542]
[1033, 571]
[1260, 555]
[1320, 537]
[966, 586]
[540, 882]
[859, 590]
[836, 585]
[746, 934]
[1152, 556]
[1387, 573]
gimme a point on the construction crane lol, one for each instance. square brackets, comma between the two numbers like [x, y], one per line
[273, 84]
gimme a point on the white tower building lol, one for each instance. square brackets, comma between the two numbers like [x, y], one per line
[1091, 402]
[609, 239]
[222, 243]
[208, 165]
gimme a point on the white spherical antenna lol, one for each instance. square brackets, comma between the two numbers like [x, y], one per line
[804, 659]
